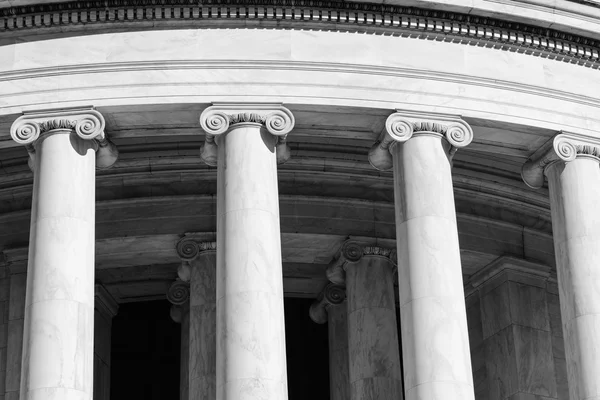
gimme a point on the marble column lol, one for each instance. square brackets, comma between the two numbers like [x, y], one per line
[571, 164]
[331, 308]
[248, 141]
[419, 147]
[58, 343]
[374, 355]
[199, 269]
[14, 348]
[105, 309]
[179, 295]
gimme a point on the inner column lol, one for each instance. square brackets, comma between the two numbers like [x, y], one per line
[251, 360]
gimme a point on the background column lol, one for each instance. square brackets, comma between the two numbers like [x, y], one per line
[331, 307]
[179, 296]
[374, 356]
[105, 309]
[251, 359]
[58, 348]
[435, 339]
[571, 163]
[199, 268]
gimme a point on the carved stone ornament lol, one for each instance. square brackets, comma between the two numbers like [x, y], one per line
[87, 123]
[330, 296]
[402, 125]
[179, 292]
[188, 249]
[563, 147]
[220, 117]
[353, 251]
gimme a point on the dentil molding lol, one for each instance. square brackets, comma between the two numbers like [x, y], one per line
[352, 251]
[562, 147]
[402, 125]
[221, 117]
[412, 22]
[87, 123]
[331, 295]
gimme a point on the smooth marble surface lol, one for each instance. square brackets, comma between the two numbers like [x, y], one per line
[374, 355]
[337, 329]
[574, 193]
[251, 358]
[435, 343]
[203, 325]
[14, 348]
[58, 349]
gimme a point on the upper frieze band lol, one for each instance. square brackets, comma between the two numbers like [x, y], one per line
[87, 123]
[402, 125]
[563, 147]
[322, 14]
[352, 251]
[220, 117]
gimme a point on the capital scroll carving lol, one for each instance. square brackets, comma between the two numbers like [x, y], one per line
[331, 295]
[353, 251]
[562, 147]
[401, 126]
[188, 249]
[220, 117]
[87, 123]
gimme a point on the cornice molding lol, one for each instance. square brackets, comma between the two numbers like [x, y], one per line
[87, 123]
[331, 295]
[220, 117]
[353, 251]
[403, 125]
[105, 303]
[562, 147]
[318, 14]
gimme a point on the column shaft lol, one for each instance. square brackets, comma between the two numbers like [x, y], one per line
[58, 350]
[574, 193]
[184, 363]
[432, 304]
[337, 320]
[251, 362]
[372, 330]
[203, 341]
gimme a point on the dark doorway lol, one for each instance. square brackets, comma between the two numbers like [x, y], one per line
[145, 352]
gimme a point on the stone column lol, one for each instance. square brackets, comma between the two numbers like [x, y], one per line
[14, 348]
[433, 317]
[251, 362]
[199, 269]
[105, 309]
[374, 356]
[179, 296]
[58, 344]
[571, 163]
[331, 307]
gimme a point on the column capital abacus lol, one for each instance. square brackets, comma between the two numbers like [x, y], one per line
[87, 123]
[565, 147]
[351, 252]
[220, 117]
[331, 295]
[188, 249]
[403, 125]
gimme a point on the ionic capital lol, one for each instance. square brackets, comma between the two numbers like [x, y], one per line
[220, 117]
[563, 147]
[402, 125]
[178, 293]
[87, 123]
[352, 252]
[188, 249]
[332, 295]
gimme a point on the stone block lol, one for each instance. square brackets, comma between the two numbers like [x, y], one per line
[495, 310]
[528, 306]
